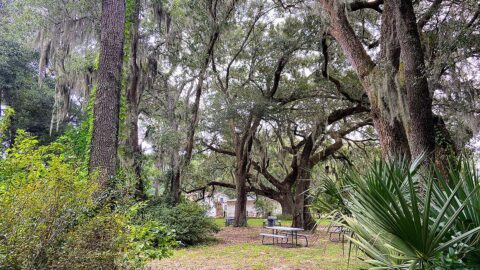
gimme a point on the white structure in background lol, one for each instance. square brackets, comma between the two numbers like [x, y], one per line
[216, 204]
[220, 205]
[251, 209]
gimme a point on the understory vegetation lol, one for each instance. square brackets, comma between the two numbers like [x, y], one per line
[188, 219]
[405, 217]
[50, 215]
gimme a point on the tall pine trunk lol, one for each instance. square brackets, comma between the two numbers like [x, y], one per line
[103, 154]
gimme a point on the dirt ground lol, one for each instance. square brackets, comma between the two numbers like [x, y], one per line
[241, 248]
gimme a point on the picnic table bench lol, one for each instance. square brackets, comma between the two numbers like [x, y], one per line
[341, 231]
[286, 233]
[274, 236]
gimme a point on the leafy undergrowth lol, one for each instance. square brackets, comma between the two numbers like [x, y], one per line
[241, 248]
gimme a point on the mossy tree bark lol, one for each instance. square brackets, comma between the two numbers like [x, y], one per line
[103, 154]
[397, 88]
[133, 153]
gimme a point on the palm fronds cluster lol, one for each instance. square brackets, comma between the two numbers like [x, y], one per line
[404, 216]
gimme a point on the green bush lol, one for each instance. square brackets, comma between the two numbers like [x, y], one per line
[148, 241]
[41, 197]
[96, 243]
[48, 219]
[109, 240]
[188, 220]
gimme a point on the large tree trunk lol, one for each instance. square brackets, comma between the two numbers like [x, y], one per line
[133, 153]
[302, 217]
[175, 180]
[397, 87]
[387, 97]
[175, 164]
[103, 154]
[286, 201]
[243, 149]
[240, 218]
[419, 128]
[241, 170]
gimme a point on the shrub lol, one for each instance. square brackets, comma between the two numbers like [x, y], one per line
[188, 219]
[41, 196]
[48, 219]
[148, 241]
[96, 243]
[403, 221]
[110, 241]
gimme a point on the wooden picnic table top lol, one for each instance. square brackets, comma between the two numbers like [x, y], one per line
[281, 228]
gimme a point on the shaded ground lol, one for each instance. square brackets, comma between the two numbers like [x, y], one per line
[241, 248]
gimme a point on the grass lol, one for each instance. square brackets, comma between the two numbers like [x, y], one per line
[258, 222]
[256, 256]
[241, 248]
[251, 222]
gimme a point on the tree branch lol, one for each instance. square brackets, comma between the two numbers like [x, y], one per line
[343, 32]
[362, 4]
[422, 21]
[218, 150]
[270, 178]
[338, 137]
[342, 113]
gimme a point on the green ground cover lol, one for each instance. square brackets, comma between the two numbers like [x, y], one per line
[250, 256]
[258, 222]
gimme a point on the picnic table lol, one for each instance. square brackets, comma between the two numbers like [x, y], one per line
[284, 233]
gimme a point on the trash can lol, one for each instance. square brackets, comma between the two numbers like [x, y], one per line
[228, 221]
[271, 220]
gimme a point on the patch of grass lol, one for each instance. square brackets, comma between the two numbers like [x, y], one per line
[324, 221]
[258, 222]
[256, 256]
[251, 222]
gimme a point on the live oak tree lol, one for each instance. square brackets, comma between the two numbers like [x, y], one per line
[218, 17]
[250, 107]
[397, 87]
[179, 95]
[260, 84]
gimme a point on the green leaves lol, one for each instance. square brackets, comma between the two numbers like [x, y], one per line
[149, 241]
[187, 219]
[403, 221]
[42, 196]
[48, 218]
